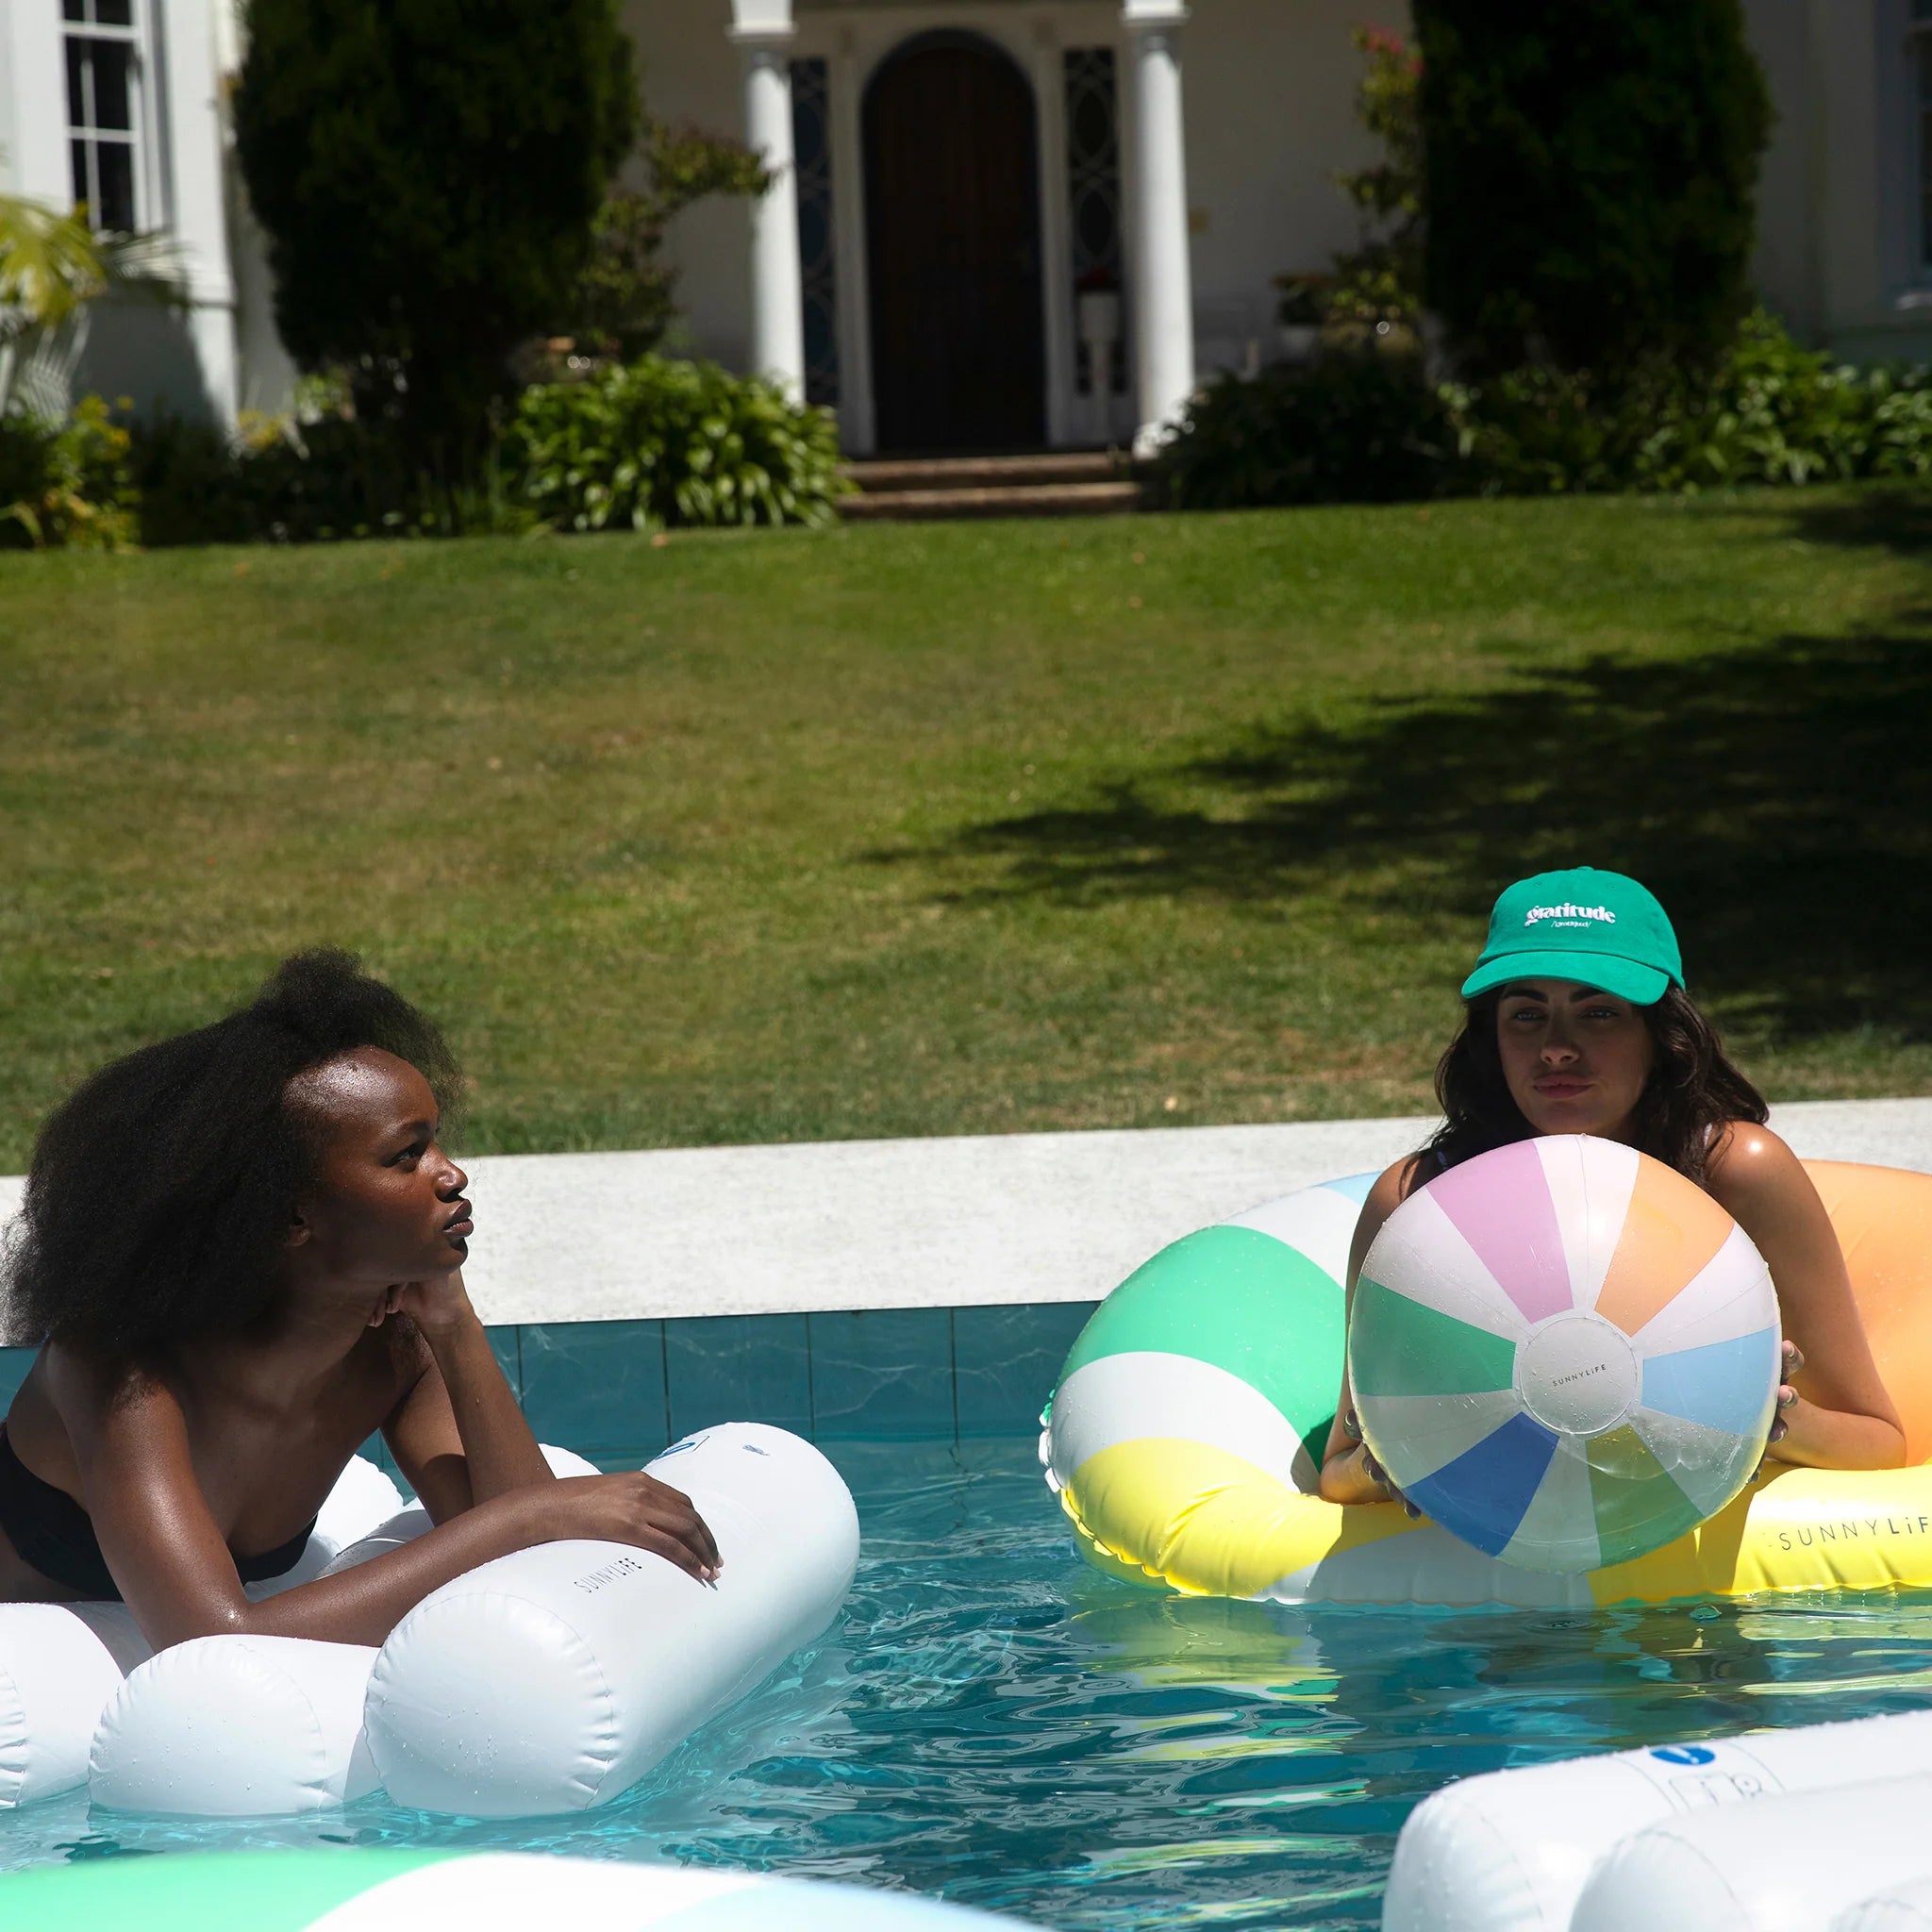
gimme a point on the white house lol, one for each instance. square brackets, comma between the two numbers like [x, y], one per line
[995, 223]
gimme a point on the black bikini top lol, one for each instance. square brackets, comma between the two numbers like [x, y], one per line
[53, 1533]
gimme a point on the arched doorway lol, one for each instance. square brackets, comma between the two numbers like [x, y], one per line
[952, 192]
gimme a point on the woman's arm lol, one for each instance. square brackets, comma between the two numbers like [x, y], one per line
[458, 1435]
[1844, 1419]
[1349, 1473]
[172, 1567]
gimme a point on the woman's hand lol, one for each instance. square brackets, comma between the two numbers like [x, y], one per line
[436, 1305]
[1352, 1427]
[636, 1510]
[1791, 1360]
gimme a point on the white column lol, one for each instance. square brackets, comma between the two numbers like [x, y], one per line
[1163, 279]
[189, 120]
[777, 321]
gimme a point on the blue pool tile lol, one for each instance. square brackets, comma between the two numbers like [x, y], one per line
[596, 1387]
[738, 1368]
[14, 1363]
[1006, 1359]
[882, 1373]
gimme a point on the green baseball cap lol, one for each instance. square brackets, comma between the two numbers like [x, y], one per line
[1598, 927]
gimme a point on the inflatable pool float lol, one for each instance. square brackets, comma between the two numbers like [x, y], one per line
[1517, 1851]
[61, 1664]
[544, 1682]
[345, 1890]
[1185, 1436]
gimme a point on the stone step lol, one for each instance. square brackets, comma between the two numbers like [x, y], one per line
[1009, 500]
[879, 474]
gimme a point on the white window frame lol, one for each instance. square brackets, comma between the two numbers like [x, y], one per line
[134, 137]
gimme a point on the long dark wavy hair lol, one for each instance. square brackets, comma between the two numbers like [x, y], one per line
[1693, 1089]
[159, 1198]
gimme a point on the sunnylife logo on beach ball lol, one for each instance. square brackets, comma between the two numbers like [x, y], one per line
[1565, 1353]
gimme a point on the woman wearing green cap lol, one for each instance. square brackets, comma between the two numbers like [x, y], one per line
[1577, 1022]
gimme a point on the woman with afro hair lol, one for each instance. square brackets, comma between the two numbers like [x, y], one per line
[241, 1252]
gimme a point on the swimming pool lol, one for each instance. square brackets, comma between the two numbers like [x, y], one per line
[993, 1722]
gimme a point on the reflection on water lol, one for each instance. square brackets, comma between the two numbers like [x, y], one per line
[993, 1722]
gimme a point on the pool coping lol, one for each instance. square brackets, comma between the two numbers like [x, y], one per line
[948, 1223]
[889, 1290]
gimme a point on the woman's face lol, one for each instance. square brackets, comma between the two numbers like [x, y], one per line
[1575, 1059]
[386, 1206]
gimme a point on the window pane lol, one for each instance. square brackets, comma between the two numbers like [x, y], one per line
[77, 83]
[115, 160]
[113, 65]
[73, 10]
[83, 192]
[114, 12]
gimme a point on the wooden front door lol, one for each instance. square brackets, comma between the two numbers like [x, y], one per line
[953, 231]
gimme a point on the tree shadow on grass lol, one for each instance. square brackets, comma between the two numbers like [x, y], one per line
[1778, 799]
[1898, 520]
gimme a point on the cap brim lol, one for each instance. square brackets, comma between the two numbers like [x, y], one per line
[1643, 986]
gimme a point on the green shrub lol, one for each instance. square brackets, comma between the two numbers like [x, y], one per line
[1774, 413]
[1590, 174]
[1356, 427]
[633, 448]
[656, 441]
[288, 481]
[69, 485]
[1368, 428]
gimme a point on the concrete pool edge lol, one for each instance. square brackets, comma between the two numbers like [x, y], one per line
[886, 1289]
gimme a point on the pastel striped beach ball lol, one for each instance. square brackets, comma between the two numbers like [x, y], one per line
[1565, 1353]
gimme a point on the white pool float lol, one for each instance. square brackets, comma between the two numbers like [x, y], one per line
[61, 1664]
[259, 1727]
[351, 1890]
[253, 1727]
[551, 1680]
[1788, 1864]
[1512, 1851]
[546, 1681]
[1898, 1908]
[236, 1727]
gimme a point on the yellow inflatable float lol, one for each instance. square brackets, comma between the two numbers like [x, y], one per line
[1186, 1433]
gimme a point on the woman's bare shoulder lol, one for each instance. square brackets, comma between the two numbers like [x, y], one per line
[1393, 1187]
[83, 1382]
[1749, 1162]
[1401, 1179]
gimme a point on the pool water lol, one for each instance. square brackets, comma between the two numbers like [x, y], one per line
[993, 1722]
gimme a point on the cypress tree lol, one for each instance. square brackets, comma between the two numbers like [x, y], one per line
[427, 173]
[1590, 178]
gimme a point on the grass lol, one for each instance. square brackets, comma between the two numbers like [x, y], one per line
[969, 828]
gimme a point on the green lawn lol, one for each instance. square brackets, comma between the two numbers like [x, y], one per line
[882, 831]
